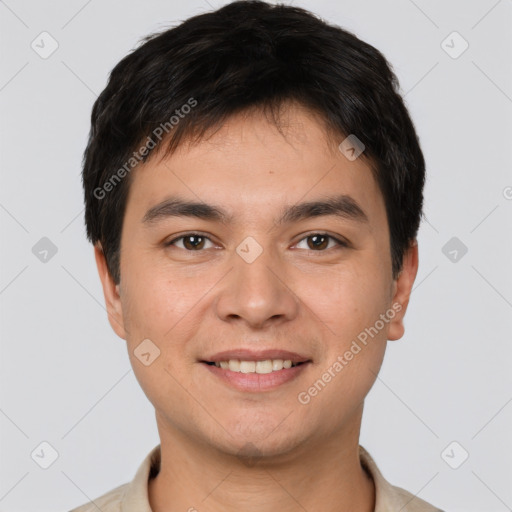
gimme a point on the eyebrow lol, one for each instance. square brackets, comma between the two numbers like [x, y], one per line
[343, 206]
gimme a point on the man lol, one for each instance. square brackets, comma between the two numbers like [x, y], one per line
[253, 187]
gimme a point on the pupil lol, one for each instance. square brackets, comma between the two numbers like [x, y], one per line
[315, 239]
[195, 244]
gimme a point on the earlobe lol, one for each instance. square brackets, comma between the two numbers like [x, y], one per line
[110, 293]
[403, 288]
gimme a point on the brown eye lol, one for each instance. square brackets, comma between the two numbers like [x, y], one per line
[193, 242]
[190, 242]
[320, 241]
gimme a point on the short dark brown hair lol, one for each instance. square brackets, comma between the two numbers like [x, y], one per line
[245, 55]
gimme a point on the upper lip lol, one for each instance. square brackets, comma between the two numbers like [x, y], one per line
[256, 355]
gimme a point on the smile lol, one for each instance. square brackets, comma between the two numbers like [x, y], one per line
[255, 376]
[261, 367]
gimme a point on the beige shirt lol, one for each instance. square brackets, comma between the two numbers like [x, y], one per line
[133, 496]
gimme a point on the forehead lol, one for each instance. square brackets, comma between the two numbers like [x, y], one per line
[249, 167]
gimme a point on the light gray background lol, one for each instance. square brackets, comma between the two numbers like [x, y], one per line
[66, 377]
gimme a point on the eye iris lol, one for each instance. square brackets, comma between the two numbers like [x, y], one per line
[324, 241]
[195, 245]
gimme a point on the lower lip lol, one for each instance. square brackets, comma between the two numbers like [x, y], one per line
[257, 381]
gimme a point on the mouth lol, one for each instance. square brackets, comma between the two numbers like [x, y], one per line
[256, 372]
[260, 367]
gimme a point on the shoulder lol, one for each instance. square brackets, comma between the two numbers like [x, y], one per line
[108, 502]
[389, 497]
[131, 495]
[411, 503]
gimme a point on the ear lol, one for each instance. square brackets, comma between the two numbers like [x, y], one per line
[111, 293]
[402, 291]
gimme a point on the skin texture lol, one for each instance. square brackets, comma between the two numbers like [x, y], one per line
[314, 301]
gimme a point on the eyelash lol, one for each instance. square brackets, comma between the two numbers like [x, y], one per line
[340, 243]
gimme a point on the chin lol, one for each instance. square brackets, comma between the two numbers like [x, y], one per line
[254, 449]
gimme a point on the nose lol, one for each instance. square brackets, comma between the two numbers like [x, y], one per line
[257, 293]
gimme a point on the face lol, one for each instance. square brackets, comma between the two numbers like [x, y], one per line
[255, 267]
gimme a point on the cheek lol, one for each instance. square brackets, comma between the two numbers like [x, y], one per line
[352, 299]
[154, 302]
[165, 310]
[355, 343]
[157, 309]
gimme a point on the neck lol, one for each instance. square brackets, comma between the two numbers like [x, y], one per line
[315, 475]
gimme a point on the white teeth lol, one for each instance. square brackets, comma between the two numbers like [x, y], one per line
[266, 366]
[247, 366]
[234, 365]
[277, 364]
